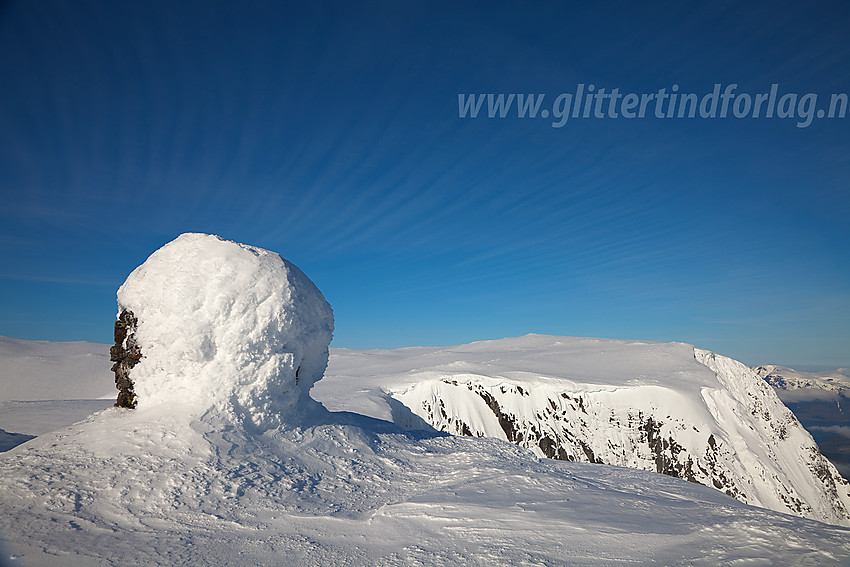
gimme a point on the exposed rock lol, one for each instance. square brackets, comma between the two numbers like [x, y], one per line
[126, 354]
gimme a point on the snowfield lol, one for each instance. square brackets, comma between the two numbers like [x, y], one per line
[230, 459]
[129, 488]
[43, 370]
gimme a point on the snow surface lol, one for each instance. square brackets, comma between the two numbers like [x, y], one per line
[43, 370]
[43, 416]
[131, 488]
[48, 385]
[213, 469]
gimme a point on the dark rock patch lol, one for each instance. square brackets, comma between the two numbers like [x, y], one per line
[126, 354]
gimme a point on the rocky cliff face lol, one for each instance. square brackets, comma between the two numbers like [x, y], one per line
[723, 428]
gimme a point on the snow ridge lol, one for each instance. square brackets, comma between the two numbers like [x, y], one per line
[146, 488]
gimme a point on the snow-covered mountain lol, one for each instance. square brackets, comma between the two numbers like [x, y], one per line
[796, 385]
[661, 407]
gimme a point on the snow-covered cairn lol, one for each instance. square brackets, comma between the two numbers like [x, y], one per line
[226, 327]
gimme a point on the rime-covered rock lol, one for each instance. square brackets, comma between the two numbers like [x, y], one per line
[223, 327]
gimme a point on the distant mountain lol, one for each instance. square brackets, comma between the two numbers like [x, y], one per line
[794, 385]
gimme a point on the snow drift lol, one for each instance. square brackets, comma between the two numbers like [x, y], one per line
[227, 327]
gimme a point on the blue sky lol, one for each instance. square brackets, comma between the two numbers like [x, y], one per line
[329, 132]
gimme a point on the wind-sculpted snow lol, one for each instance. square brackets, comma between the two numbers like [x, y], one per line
[147, 488]
[227, 327]
[659, 407]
